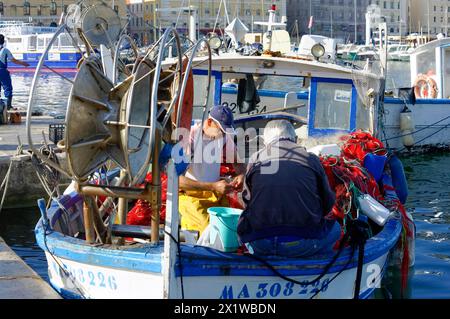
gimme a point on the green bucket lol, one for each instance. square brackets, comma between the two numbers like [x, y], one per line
[223, 221]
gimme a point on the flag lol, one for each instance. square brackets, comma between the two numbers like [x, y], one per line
[310, 22]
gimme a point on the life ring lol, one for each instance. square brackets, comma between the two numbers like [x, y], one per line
[425, 87]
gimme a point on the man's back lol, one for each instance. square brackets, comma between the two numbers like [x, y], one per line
[292, 201]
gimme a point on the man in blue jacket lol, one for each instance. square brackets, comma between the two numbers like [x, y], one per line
[286, 208]
[5, 77]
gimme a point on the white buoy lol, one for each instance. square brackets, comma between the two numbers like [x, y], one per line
[407, 127]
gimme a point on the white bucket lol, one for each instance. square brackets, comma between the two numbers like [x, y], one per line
[373, 209]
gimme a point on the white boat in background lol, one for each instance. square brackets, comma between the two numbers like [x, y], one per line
[367, 52]
[28, 42]
[307, 42]
[347, 51]
[400, 53]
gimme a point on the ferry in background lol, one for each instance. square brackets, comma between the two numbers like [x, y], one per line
[28, 42]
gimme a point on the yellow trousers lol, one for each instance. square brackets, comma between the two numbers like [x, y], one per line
[193, 207]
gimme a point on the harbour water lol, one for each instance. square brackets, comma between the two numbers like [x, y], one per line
[429, 201]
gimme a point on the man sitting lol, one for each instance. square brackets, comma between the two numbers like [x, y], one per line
[287, 196]
[201, 187]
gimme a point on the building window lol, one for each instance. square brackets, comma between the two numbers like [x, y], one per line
[53, 8]
[26, 8]
[116, 8]
[39, 10]
[2, 9]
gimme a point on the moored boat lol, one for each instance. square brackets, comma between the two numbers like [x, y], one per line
[27, 43]
[126, 121]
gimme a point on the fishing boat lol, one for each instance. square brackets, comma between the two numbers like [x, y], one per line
[366, 52]
[413, 119]
[27, 43]
[400, 53]
[109, 121]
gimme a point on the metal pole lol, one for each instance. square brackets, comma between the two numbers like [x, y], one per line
[331, 22]
[123, 202]
[428, 5]
[310, 15]
[88, 218]
[154, 24]
[356, 27]
[156, 189]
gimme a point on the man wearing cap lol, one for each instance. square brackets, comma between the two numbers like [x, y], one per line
[201, 186]
[5, 77]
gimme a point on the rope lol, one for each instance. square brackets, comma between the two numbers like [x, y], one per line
[420, 130]
[337, 275]
[5, 185]
[179, 255]
[68, 274]
[425, 138]
[5, 182]
[305, 283]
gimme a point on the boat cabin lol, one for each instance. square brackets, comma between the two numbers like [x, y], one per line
[433, 61]
[325, 96]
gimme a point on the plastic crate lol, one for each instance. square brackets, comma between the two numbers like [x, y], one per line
[56, 132]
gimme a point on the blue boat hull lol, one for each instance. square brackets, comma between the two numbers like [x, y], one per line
[56, 61]
[77, 269]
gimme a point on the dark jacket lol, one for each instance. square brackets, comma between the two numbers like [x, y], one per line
[289, 201]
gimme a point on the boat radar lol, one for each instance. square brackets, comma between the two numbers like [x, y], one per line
[275, 40]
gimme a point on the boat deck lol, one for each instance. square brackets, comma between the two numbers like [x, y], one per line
[18, 280]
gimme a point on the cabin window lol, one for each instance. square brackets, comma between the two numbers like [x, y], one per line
[201, 81]
[333, 105]
[41, 43]
[447, 74]
[65, 41]
[32, 43]
[26, 8]
[426, 63]
[14, 40]
[53, 8]
[281, 93]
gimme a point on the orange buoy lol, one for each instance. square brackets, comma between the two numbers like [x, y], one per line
[425, 87]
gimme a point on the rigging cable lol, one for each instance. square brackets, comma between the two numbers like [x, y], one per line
[177, 242]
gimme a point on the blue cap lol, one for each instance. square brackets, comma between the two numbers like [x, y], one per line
[224, 117]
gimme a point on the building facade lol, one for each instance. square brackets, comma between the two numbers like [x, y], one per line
[248, 11]
[43, 12]
[396, 14]
[137, 27]
[430, 17]
[345, 19]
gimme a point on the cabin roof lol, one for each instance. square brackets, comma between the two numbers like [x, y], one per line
[432, 45]
[287, 66]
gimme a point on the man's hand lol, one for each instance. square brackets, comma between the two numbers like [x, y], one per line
[238, 182]
[222, 187]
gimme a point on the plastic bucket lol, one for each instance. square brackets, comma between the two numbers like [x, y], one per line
[223, 222]
[375, 164]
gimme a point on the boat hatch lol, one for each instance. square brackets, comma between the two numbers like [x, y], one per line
[332, 107]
